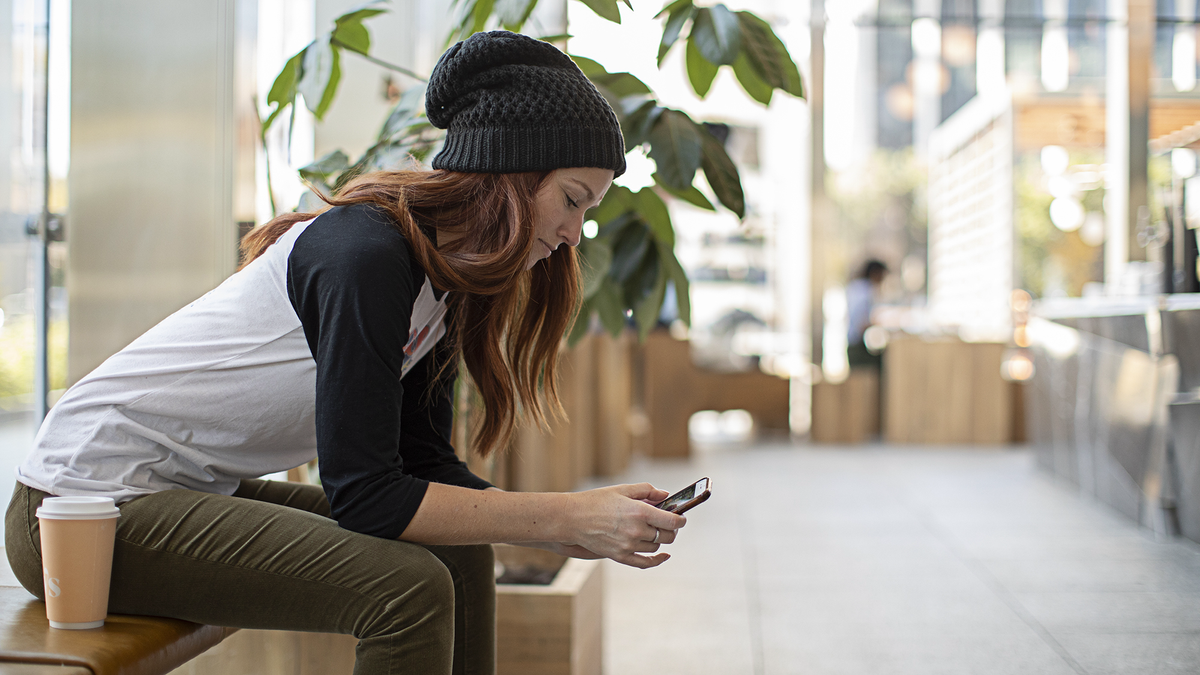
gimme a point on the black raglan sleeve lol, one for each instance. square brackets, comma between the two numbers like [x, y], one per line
[352, 283]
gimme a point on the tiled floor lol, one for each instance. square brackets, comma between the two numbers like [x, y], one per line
[886, 560]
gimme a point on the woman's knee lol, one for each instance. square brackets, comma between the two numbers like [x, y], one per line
[417, 591]
[473, 567]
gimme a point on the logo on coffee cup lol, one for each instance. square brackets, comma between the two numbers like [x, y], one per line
[52, 588]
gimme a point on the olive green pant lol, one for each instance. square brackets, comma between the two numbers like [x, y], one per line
[270, 557]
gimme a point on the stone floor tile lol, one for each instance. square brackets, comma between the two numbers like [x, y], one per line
[1066, 612]
[930, 653]
[1136, 653]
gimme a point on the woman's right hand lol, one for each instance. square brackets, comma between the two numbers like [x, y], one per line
[619, 522]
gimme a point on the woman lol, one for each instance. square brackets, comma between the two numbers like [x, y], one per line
[339, 340]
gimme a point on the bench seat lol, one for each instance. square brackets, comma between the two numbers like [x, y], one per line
[125, 645]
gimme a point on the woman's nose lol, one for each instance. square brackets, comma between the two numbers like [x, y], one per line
[572, 232]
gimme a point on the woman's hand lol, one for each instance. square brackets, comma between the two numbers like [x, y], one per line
[620, 523]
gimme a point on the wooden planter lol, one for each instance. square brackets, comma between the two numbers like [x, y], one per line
[553, 629]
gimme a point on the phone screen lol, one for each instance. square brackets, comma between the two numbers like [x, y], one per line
[685, 495]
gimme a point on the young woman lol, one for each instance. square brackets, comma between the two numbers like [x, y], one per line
[340, 339]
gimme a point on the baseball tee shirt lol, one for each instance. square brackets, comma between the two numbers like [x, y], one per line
[327, 345]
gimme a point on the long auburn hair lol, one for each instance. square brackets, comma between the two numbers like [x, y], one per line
[507, 321]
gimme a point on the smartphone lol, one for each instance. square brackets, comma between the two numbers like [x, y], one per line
[688, 497]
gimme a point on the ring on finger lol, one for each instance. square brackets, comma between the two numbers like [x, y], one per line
[656, 533]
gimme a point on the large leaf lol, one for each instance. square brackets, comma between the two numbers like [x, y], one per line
[675, 148]
[644, 277]
[767, 54]
[722, 175]
[514, 13]
[605, 8]
[690, 195]
[283, 89]
[717, 34]
[596, 259]
[754, 85]
[682, 12]
[629, 246]
[472, 18]
[582, 323]
[679, 279]
[638, 118]
[671, 7]
[617, 201]
[353, 36]
[608, 305]
[349, 31]
[648, 309]
[652, 210]
[403, 112]
[700, 71]
[620, 85]
[319, 76]
[332, 163]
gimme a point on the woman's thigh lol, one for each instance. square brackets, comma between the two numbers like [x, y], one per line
[301, 496]
[247, 563]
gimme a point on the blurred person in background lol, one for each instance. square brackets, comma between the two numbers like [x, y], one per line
[861, 294]
[340, 339]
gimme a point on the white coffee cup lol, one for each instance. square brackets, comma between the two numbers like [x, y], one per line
[77, 548]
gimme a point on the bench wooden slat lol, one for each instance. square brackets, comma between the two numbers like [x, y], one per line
[125, 645]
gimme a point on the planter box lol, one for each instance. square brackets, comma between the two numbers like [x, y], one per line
[553, 629]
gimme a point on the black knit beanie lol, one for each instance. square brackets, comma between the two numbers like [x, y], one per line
[510, 103]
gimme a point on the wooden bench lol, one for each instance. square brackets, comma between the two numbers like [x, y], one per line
[126, 645]
[141, 645]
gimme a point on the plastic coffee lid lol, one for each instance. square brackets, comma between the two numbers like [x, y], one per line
[77, 508]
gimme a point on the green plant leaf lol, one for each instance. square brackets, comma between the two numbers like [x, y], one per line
[348, 28]
[690, 195]
[671, 7]
[596, 259]
[620, 85]
[283, 89]
[648, 309]
[605, 8]
[323, 168]
[403, 112]
[671, 29]
[700, 71]
[582, 322]
[629, 246]
[675, 148]
[514, 13]
[753, 84]
[768, 56]
[722, 175]
[617, 201]
[644, 277]
[717, 34]
[317, 74]
[679, 279]
[335, 77]
[638, 120]
[353, 36]
[589, 67]
[608, 305]
[472, 18]
[483, 10]
[652, 210]
[623, 84]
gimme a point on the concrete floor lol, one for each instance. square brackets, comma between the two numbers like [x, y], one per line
[885, 560]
